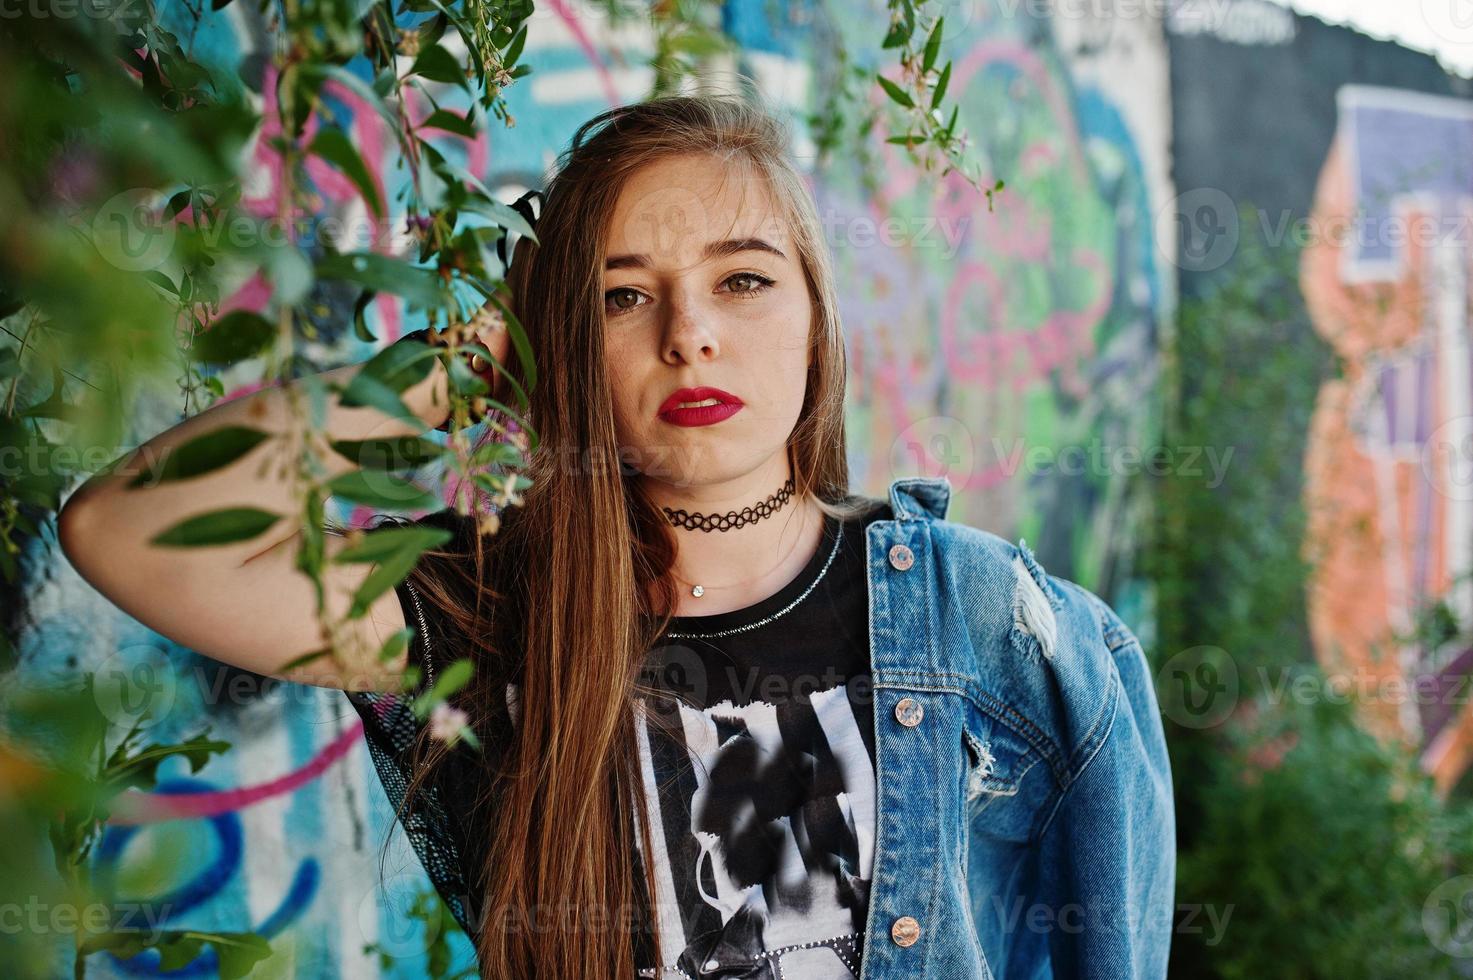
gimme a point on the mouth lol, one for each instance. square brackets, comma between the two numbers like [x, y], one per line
[699, 406]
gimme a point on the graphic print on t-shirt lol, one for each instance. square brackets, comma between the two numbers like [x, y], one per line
[761, 757]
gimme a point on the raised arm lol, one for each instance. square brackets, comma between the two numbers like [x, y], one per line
[244, 603]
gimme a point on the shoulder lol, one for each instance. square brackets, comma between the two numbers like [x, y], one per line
[1045, 646]
[1043, 603]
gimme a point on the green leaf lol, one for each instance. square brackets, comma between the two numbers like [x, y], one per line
[367, 391]
[933, 46]
[382, 490]
[497, 454]
[503, 215]
[401, 364]
[297, 88]
[183, 951]
[314, 540]
[451, 122]
[895, 92]
[333, 145]
[124, 943]
[439, 65]
[238, 952]
[203, 454]
[383, 82]
[55, 406]
[301, 661]
[385, 274]
[360, 322]
[162, 281]
[698, 42]
[396, 644]
[140, 770]
[433, 29]
[941, 84]
[403, 453]
[234, 337]
[514, 50]
[225, 526]
[454, 677]
[358, 87]
[454, 174]
[520, 342]
[394, 553]
[465, 732]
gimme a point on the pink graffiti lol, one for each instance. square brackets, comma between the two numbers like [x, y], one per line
[135, 807]
[1018, 232]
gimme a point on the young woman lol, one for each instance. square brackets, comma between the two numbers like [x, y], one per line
[735, 720]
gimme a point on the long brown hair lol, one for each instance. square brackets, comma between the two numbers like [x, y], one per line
[571, 593]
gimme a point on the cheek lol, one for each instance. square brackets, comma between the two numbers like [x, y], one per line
[623, 390]
[793, 343]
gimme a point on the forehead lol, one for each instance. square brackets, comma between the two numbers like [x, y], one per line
[670, 208]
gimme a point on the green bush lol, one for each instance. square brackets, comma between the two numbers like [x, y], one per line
[1314, 848]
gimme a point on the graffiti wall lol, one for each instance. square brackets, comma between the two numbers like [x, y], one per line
[1010, 346]
[1371, 175]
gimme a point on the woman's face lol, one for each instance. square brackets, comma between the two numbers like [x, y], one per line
[703, 287]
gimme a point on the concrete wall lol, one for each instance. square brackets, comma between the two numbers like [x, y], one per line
[1013, 350]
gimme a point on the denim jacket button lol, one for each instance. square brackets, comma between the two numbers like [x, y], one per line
[905, 931]
[909, 712]
[900, 557]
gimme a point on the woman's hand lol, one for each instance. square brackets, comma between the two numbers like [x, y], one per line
[488, 329]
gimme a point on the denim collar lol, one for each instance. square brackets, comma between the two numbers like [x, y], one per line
[920, 498]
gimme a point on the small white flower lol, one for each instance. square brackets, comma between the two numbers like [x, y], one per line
[446, 722]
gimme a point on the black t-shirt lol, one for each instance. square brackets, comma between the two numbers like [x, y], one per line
[765, 833]
[758, 742]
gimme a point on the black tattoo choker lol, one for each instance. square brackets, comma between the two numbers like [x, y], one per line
[731, 519]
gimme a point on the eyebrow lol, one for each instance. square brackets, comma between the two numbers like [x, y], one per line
[713, 250]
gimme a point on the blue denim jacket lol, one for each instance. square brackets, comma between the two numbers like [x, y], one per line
[1025, 826]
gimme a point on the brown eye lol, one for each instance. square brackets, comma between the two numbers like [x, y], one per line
[614, 304]
[755, 283]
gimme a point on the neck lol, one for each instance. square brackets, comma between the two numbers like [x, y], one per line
[741, 565]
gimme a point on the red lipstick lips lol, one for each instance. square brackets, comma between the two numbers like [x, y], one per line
[725, 406]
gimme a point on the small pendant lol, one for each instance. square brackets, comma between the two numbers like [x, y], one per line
[698, 591]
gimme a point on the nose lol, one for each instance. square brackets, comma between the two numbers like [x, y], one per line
[689, 336]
